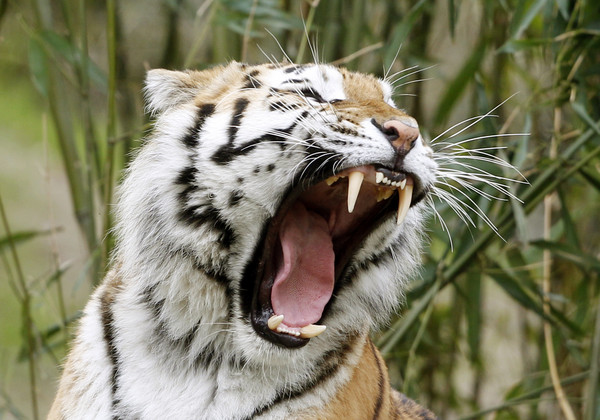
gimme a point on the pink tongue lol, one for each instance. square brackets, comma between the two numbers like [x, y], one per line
[305, 278]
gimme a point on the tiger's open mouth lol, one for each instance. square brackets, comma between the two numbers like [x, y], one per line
[309, 243]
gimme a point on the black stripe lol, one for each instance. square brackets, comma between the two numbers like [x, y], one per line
[297, 69]
[297, 81]
[251, 81]
[228, 152]
[108, 328]
[238, 112]
[177, 347]
[191, 138]
[326, 367]
[206, 214]
[282, 106]
[235, 196]
[380, 383]
[187, 176]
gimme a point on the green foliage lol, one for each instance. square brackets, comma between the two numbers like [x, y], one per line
[86, 61]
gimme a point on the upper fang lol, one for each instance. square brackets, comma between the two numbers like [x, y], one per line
[355, 180]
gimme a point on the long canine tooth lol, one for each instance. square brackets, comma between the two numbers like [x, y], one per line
[329, 181]
[312, 330]
[355, 180]
[404, 203]
[274, 322]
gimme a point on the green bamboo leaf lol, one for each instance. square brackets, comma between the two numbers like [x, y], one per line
[401, 31]
[514, 45]
[569, 253]
[563, 8]
[37, 67]
[515, 289]
[57, 275]
[569, 224]
[23, 236]
[473, 311]
[585, 116]
[527, 398]
[73, 55]
[523, 16]
[43, 345]
[459, 84]
[591, 177]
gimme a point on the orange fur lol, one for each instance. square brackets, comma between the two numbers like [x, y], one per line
[368, 395]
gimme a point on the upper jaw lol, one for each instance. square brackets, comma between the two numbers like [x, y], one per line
[353, 202]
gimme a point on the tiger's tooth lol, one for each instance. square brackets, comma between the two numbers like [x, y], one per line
[387, 193]
[329, 181]
[405, 196]
[312, 330]
[274, 322]
[355, 180]
[402, 184]
[378, 177]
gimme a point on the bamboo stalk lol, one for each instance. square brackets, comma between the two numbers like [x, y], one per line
[307, 28]
[28, 321]
[547, 268]
[592, 405]
[111, 128]
[247, 31]
[525, 398]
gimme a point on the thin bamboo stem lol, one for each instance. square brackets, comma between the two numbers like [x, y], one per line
[28, 321]
[307, 28]
[111, 127]
[592, 405]
[532, 396]
[546, 287]
[247, 31]
[53, 232]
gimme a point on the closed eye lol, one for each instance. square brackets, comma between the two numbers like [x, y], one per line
[312, 94]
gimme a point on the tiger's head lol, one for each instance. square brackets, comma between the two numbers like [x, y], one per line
[294, 191]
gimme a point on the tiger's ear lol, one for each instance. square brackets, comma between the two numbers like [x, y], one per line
[165, 89]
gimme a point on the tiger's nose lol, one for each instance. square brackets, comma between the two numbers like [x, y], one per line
[402, 134]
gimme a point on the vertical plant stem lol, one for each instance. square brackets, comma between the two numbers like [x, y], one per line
[307, 28]
[111, 127]
[53, 242]
[206, 26]
[547, 267]
[411, 369]
[91, 149]
[592, 406]
[247, 31]
[28, 320]
[82, 202]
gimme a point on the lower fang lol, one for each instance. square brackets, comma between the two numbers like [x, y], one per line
[274, 322]
[312, 330]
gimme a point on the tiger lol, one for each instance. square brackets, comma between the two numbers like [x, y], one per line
[272, 219]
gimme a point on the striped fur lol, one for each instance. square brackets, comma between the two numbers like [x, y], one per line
[170, 333]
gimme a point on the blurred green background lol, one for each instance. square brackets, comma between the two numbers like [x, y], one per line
[502, 326]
